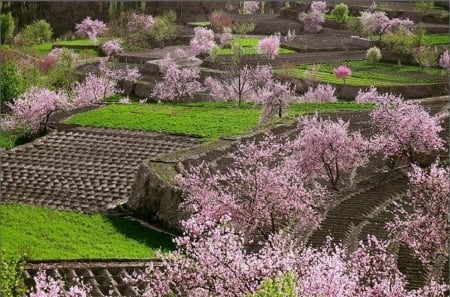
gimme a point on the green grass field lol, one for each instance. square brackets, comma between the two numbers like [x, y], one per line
[43, 233]
[200, 24]
[46, 47]
[366, 74]
[249, 47]
[207, 119]
[428, 39]
[8, 139]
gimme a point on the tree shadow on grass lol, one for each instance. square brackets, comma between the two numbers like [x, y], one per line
[134, 230]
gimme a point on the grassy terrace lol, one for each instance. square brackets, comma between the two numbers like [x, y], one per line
[249, 46]
[43, 233]
[210, 120]
[46, 47]
[366, 74]
[428, 39]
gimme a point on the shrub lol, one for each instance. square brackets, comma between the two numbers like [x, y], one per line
[61, 76]
[340, 13]
[425, 56]
[164, 27]
[11, 274]
[12, 84]
[322, 93]
[244, 27]
[424, 7]
[373, 55]
[112, 47]
[38, 32]
[7, 28]
[135, 30]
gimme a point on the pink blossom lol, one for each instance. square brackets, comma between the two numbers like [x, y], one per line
[54, 53]
[31, 111]
[322, 93]
[125, 100]
[290, 36]
[251, 7]
[93, 89]
[242, 87]
[178, 83]
[226, 36]
[140, 22]
[203, 40]
[342, 72]
[404, 129]
[262, 193]
[269, 47]
[327, 148]
[444, 60]
[91, 28]
[313, 21]
[372, 96]
[421, 222]
[112, 47]
[319, 6]
[47, 286]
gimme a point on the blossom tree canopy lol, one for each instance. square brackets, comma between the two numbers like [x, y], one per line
[203, 40]
[262, 193]
[405, 129]
[177, 82]
[269, 47]
[91, 28]
[422, 222]
[31, 111]
[112, 47]
[328, 148]
[444, 60]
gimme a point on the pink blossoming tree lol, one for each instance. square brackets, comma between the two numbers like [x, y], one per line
[91, 28]
[444, 60]
[378, 23]
[405, 130]
[32, 110]
[93, 89]
[322, 93]
[290, 36]
[263, 193]
[421, 222]
[313, 21]
[269, 47]
[178, 83]
[342, 72]
[241, 86]
[328, 149]
[47, 286]
[250, 7]
[112, 47]
[139, 22]
[203, 41]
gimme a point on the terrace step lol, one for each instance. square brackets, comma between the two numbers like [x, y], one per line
[82, 169]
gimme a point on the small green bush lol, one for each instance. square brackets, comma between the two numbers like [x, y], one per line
[164, 27]
[36, 33]
[7, 28]
[340, 13]
[355, 25]
[373, 55]
[244, 27]
[424, 7]
[284, 286]
[12, 84]
[61, 77]
[11, 275]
